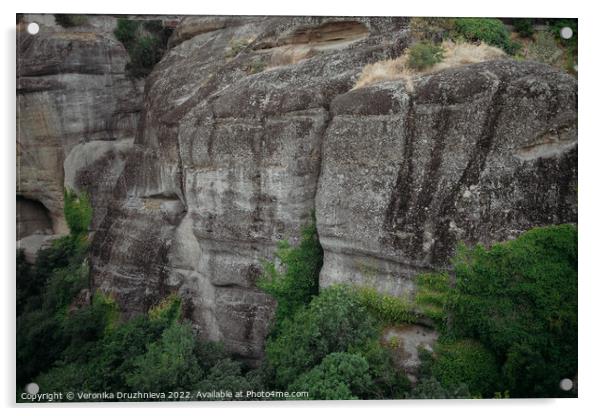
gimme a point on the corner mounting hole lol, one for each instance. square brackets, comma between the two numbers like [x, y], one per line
[566, 384]
[33, 28]
[566, 32]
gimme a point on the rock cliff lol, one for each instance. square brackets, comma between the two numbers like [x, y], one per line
[77, 114]
[249, 123]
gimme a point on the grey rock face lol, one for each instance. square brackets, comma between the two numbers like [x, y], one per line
[250, 123]
[479, 153]
[226, 164]
[72, 91]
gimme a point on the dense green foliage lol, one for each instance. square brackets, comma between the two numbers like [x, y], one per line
[340, 376]
[431, 297]
[524, 27]
[490, 31]
[169, 364]
[519, 300]
[66, 342]
[78, 212]
[146, 43]
[70, 20]
[317, 339]
[431, 388]
[423, 55]
[333, 322]
[507, 317]
[387, 309]
[298, 283]
[570, 45]
[45, 290]
[468, 362]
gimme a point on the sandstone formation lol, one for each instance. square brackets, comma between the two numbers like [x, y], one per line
[72, 94]
[250, 123]
[479, 153]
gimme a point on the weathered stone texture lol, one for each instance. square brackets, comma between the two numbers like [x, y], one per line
[250, 123]
[474, 154]
[72, 90]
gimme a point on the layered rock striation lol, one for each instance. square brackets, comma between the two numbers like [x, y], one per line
[248, 124]
[77, 115]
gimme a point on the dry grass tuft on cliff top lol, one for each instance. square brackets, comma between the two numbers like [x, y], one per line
[454, 54]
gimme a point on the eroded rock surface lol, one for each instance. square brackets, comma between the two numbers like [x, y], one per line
[249, 123]
[72, 92]
[475, 154]
[226, 163]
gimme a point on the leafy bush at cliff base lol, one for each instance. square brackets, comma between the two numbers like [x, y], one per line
[468, 362]
[78, 212]
[298, 283]
[340, 376]
[44, 292]
[333, 322]
[424, 55]
[490, 31]
[519, 299]
[67, 343]
[431, 388]
[169, 364]
[157, 353]
[388, 381]
[387, 309]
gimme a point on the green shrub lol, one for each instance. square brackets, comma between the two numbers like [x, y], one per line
[430, 388]
[70, 20]
[28, 286]
[117, 351]
[519, 299]
[424, 55]
[434, 29]
[570, 45]
[432, 296]
[169, 363]
[524, 27]
[544, 49]
[236, 46]
[558, 25]
[127, 31]
[226, 376]
[167, 310]
[387, 309]
[340, 376]
[466, 361]
[388, 381]
[145, 52]
[78, 212]
[298, 283]
[333, 322]
[40, 343]
[490, 31]
[62, 287]
[84, 327]
[145, 44]
[256, 66]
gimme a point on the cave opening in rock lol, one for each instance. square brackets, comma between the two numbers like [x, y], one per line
[32, 218]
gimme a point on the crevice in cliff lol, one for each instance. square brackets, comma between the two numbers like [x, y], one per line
[443, 240]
